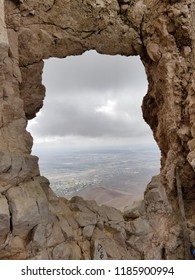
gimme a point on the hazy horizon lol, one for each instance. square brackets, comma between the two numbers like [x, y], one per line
[115, 177]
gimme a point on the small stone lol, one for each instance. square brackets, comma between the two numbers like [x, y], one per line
[62, 252]
[55, 235]
[153, 50]
[138, 227]
[112, 213]
[124, 7]
[85, 219]
[191, 144]
[187, 50]
[17, 243]
[43, 255]
[76, 252]
[88, 231]
[134, 211]
[38, 236]
[66, 229]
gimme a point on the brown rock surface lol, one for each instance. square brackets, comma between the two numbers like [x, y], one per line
[34, 223]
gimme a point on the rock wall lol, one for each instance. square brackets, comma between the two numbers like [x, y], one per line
[34, 223]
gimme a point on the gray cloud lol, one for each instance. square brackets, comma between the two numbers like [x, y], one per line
[95, 72]
[93, 96]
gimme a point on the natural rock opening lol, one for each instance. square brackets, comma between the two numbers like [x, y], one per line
[90, 136]
[35, 223]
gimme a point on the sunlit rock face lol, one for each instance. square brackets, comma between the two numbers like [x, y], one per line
[34, 223]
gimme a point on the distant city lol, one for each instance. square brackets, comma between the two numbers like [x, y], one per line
[107, 176]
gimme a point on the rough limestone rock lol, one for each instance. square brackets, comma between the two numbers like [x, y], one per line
[34, 223]
[136, 210]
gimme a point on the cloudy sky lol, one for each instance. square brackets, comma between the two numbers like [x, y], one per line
[92, 100]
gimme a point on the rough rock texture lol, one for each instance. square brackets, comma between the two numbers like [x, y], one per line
[34, 223]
